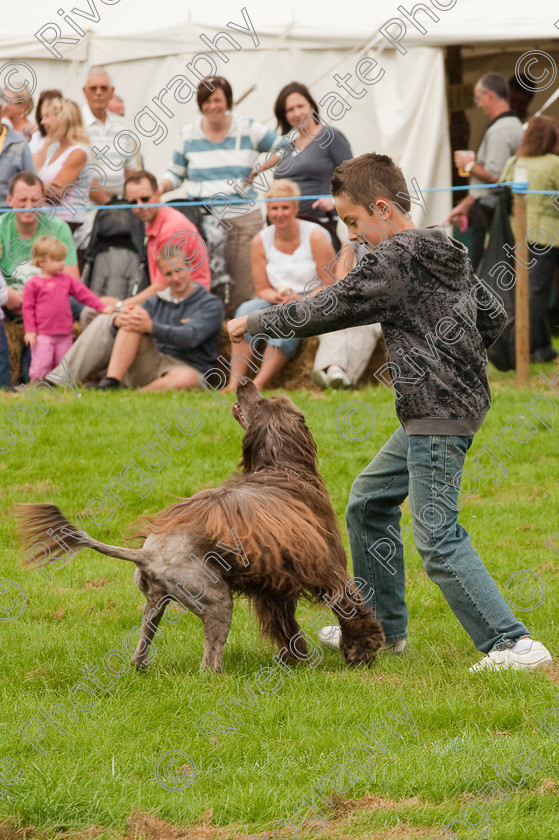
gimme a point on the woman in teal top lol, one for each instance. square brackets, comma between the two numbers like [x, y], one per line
[538, 152]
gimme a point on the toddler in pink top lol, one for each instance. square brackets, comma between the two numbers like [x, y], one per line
[47, 317]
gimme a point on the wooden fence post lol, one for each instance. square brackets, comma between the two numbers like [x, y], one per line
[521, 291]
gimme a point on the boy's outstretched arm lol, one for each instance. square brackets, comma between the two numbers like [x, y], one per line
[362, 297]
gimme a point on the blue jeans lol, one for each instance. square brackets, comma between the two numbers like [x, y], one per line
[427, 468]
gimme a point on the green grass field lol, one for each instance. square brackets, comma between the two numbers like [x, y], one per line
[444, 747]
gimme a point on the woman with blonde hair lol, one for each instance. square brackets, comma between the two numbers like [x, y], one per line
[285, 258]
[63, 159]
[17, 108]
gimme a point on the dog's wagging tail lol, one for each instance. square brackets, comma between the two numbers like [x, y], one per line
[269, 532]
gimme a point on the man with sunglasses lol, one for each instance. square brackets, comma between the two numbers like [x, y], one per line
[166, 229]
[102, 126]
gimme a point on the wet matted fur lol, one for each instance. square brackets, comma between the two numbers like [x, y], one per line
[268, 532]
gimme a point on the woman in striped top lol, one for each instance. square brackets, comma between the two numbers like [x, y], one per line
[214, 154]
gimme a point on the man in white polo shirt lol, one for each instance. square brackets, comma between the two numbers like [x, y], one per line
[102, 126]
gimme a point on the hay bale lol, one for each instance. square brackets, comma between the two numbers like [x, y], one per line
[14, 338]
[297, 373]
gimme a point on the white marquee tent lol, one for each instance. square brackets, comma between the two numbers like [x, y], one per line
[145, 45]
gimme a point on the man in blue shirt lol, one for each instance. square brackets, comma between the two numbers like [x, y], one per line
[166, 342]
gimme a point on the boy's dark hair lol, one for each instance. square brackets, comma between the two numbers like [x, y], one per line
[28, 177]
[139, 175]
[497, 84]
[371, 176]
[279, 106]
[209, 85]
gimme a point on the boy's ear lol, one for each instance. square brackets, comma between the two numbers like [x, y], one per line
[381, 207]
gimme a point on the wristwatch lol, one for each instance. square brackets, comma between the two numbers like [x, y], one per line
[469, 166]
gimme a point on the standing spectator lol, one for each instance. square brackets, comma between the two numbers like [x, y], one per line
[321, 149]
[102, 126]
[14, 157]
[62, 158]
[502, 137]
[213, 153]
[538, 152]
[17, 107]
[38, 137]
[47, 316]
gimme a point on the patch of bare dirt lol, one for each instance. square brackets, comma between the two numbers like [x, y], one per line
[371, 802]
[9, 831]
[401, 832]
[553, 674]
[548, 786]
[98, 584]
[39, 487]
[142, 826]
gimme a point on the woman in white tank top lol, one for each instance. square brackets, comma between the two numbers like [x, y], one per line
[62, 161]
[286, 257]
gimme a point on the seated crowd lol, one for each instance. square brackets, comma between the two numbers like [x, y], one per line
[63, 175]
[164, 331]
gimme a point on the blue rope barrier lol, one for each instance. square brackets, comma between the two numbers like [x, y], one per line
[516, 188]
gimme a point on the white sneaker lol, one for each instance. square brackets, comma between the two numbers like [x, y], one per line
[321, 378]
[395, 648]
[337, 377]
[534, 655]
[330, 637]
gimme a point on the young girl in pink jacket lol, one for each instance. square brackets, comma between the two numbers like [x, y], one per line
[47, 317]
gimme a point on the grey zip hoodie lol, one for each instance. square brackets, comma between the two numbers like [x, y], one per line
[437, 317]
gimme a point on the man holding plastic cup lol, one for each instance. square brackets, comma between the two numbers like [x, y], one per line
[500, 141]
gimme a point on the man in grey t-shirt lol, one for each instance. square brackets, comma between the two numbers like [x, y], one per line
[500, 141]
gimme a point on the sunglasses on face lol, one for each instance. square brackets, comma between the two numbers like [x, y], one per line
[143, 199]
[102, 88]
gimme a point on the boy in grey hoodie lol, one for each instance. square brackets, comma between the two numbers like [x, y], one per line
[438, 320]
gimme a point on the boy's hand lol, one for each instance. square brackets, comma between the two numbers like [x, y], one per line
[237, 327]
[30, 338]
